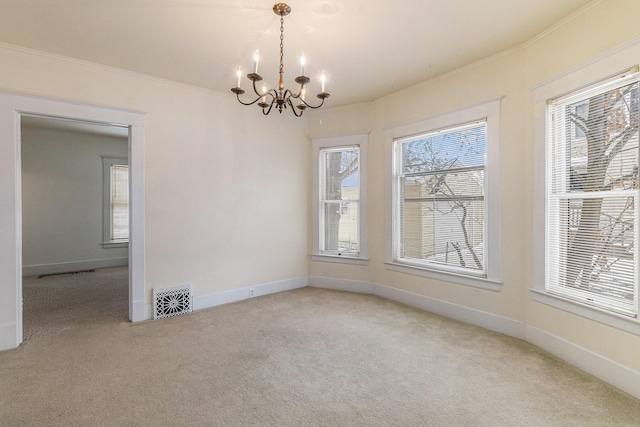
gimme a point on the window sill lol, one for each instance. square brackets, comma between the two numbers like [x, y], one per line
[460, 279]
[340, 259]
[112, 245]
[619, 321]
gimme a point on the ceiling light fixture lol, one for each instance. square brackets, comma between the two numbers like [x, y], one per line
[281, 97]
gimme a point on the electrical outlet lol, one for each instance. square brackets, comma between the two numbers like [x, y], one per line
[252, 292]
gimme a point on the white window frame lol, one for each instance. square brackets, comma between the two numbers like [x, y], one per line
[107, 162]
[489, 111]
[318, 144]
[600, 68]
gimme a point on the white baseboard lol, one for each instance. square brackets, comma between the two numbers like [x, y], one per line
[341, 284]
[211, 300]
[483, 319]
[472, 316]
[65, 267]
[219, 298]
[8, 336]
[620, 376]
[140, 311]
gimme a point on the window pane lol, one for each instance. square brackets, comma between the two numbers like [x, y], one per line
[441, 206]
[341, 226]
[593, 189]
[596, 249]
[446, 233]
[459, 148]
[339, 199]
[342, 180]
[119, 202]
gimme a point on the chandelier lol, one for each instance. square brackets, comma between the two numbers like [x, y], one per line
[281, 97]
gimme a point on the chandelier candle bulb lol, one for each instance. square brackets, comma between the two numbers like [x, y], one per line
[323, 79]
[302, 62]
[256, 59]
[239, 74]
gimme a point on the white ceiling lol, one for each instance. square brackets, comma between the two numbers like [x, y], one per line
[367, 48]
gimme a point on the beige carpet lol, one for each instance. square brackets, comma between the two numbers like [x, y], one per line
[58, 303]
[309, 357]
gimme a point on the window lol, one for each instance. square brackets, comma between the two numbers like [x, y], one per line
[444, 200]
[340, 199]
[116, 201]
[592, 192]
[439, 180]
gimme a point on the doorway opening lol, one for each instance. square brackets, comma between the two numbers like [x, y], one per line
[14, 108]
[75, 218]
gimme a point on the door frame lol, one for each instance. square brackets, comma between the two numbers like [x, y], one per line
[13, 106]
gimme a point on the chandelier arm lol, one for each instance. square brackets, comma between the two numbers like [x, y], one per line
[267, 111]
[288, 94]
[247, 103]
[293, 108]
[311, 106]
[255, 89]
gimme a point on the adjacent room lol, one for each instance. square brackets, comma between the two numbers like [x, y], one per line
[74, 222]
[324, 212]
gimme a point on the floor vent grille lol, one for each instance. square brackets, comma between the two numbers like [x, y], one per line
[173, 301]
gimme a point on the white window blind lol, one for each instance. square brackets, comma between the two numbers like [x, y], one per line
[440, 206]
[592, 190]
[339, 215]
[119, 209]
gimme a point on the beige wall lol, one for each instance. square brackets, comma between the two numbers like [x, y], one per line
[216, 215]
[595, 30]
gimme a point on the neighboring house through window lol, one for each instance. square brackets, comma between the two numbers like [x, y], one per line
[115, 201]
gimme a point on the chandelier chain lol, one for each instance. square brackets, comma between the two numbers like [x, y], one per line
[281, 43]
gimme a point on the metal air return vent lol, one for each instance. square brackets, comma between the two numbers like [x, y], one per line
[172, 301]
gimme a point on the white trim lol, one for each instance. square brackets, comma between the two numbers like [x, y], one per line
[7, 332]
[446, 276]
[12, 107]
[65, 267]
[599, 366]
[211, 300]
[107, 162]
[599, 68]
[620, 376]
[360, 140]
[359, 286]
[619, 321]
[483, 319]
[489, 110]
[344, 259]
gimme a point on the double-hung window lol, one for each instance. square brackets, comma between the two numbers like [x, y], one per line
[440, 191]
[115, 201]
[340, 198]
[444, 207]
[592, 194]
